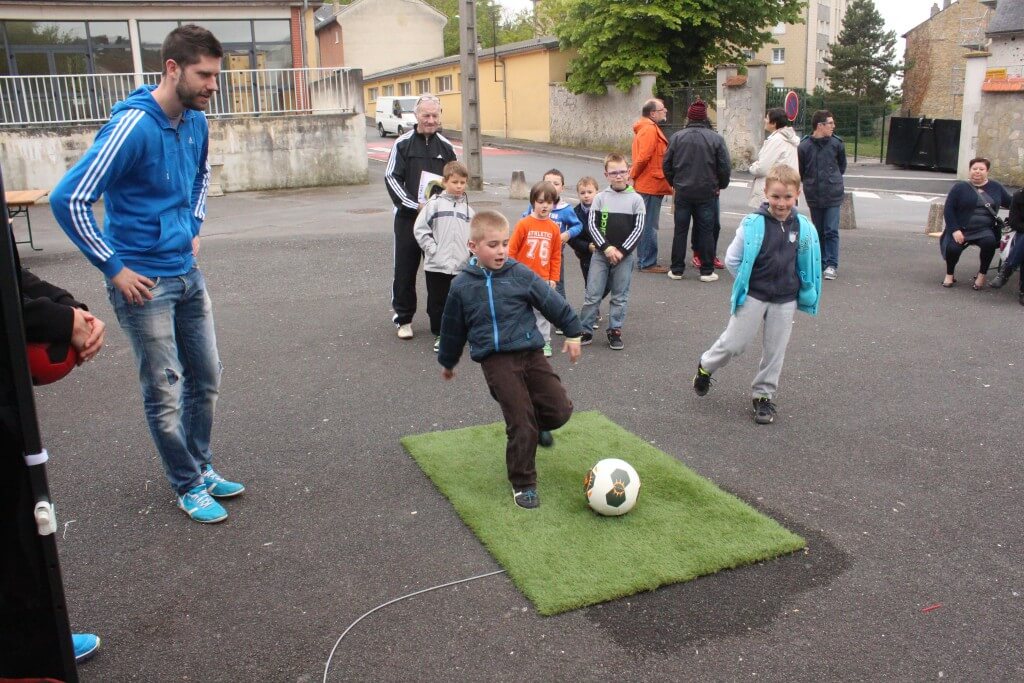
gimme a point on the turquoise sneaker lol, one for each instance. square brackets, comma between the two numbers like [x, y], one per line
[219, 487]
[198, 505]
[85, 645]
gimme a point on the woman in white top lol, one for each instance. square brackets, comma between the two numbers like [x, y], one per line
[778, 148]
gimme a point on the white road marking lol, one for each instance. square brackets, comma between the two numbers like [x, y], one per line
[914, 198]
[865, 195]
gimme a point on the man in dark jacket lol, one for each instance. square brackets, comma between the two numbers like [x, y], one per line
[822, 157]
[421, 150]
[698, 166]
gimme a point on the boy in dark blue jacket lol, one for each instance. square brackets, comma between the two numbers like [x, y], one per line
[491, 306]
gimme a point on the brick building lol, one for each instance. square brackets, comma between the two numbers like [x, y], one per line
[933, 86]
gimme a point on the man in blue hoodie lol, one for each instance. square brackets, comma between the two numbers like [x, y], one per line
[149, 162]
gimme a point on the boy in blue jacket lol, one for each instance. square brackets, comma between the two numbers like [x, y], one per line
[776, 260]
[491, 305]
[149, 162]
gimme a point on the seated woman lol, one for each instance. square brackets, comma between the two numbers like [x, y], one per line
[1016, 222]
[971, 209]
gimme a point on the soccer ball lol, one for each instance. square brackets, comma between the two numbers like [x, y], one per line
[612, 487]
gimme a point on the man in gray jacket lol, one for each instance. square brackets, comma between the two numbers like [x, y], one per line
[698, 166]
[822, 165]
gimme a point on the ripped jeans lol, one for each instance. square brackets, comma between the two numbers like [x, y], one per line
[179, 370]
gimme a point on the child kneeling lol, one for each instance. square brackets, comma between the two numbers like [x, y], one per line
[491, 305]
[776, 260]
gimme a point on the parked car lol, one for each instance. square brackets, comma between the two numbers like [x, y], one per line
[395, 115]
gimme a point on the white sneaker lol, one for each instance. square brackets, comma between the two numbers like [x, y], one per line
[830, 273]
[709, 278]
[405, 331]
[673, 276]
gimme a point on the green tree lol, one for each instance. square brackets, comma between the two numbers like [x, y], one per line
[493, 26]
[863, 59]
[615, 39]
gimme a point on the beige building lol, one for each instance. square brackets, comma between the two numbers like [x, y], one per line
[796, 58]
[377, 35]
[933, 85]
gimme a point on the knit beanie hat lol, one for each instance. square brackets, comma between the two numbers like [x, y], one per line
[698, 111]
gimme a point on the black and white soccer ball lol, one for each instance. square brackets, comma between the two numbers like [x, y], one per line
[612, 487]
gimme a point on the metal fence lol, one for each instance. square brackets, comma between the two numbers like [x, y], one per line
[88, 98]
[862, 125]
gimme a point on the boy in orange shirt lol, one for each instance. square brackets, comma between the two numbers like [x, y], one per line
[537, 244]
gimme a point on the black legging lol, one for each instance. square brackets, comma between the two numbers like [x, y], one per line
[987, 243]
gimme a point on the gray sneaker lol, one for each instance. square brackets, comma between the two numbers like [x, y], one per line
[830, 273]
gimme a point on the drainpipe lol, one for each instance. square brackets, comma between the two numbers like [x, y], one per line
[302, 30]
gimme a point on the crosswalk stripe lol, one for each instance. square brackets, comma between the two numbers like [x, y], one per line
[865, 195]
[914, 198]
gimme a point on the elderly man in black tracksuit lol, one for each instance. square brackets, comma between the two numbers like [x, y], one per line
[420, 150]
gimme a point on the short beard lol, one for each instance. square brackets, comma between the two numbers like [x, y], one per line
[188, 97]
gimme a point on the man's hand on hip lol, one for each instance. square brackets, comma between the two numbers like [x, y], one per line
[133, 287]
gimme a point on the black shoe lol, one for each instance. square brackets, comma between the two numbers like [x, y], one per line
[526, 497]
[764, 411]
[545, 439]
[586, 338]
[998, 281]
[615, 340]
[702, 381]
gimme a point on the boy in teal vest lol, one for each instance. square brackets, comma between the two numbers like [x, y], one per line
[776, 260]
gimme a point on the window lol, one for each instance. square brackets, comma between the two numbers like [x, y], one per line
[405, 88]
[259, 44]
[337, 37]
[387, 90]
[444, 83]
[748, 55]
[422, 86]
[778, 55]
[778, 82]
[373, 94]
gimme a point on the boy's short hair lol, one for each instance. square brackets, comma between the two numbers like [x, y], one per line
[777, 117]
[587, 180]
[554, 171]
[483, 221]
[819, 117]
[543, 191]
[782, 173]
[187, 44]
[614, 158]
[455, 168]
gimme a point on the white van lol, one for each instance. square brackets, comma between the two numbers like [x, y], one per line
[395, 115]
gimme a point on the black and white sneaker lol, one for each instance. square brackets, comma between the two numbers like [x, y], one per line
[615, 340]
[526, 497]
[586, 338]
[764, 411]
[702, 381]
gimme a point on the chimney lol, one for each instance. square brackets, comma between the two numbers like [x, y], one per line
[946, 3]
[935, 8]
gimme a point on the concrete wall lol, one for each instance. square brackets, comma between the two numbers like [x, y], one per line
[1001, 135]
[741, 112]
[258, 153]
[598, 121]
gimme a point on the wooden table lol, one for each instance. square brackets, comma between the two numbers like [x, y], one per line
[18, 204]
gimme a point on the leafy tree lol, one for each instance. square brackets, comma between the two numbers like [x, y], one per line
[493, 26]
[863, 59]
[615, 39]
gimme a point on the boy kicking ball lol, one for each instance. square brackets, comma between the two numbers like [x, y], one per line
[491, 306]
[776, 260]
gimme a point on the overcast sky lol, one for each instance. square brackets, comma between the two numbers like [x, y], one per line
[899, 15]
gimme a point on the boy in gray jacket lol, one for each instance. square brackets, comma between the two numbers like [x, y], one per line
[442, 231]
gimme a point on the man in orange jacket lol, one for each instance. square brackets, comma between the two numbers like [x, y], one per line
[649, 145]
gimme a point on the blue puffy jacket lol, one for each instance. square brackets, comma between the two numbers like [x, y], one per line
[153, 178]
[493, 311]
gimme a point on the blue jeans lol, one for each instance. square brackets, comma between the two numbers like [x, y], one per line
[647, 249]
[617, 278]
[703, 214]
[826, 220]
[179, 370]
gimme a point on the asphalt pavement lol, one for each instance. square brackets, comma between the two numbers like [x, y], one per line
[895, 454]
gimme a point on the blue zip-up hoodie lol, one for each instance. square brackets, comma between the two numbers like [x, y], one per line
[746, 246]
[493, 311]
[564, 214]
[153, 179]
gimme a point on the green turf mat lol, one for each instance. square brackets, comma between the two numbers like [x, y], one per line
[563, 556]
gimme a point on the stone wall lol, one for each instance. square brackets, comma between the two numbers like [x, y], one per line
[257, 153]
[598, 121]
[741, 108]
[1001, 135]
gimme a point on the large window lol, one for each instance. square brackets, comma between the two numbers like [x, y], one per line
[248, 44]
[50, 48]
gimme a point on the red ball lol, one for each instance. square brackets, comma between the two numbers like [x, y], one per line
[50, 362]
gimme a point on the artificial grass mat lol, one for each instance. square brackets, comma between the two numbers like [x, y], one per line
[563, 556]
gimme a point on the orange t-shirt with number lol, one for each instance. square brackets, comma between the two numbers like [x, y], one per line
[537, 244]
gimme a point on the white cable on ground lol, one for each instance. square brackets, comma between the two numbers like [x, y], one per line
[391, 602]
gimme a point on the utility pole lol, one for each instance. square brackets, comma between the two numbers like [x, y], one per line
[470, 94]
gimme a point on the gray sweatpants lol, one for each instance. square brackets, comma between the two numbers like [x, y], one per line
[742, 328]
